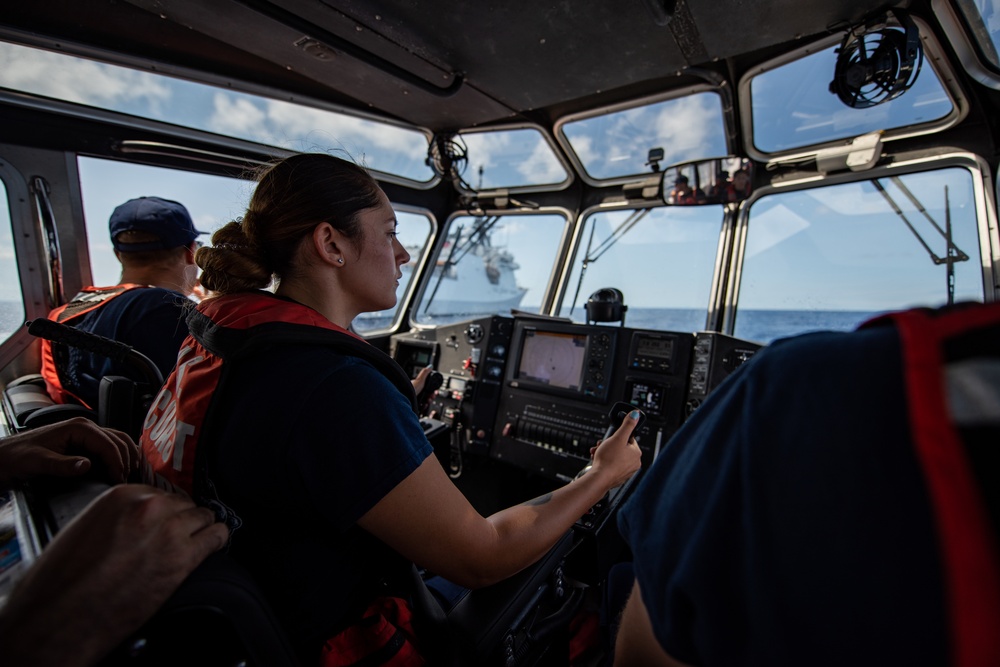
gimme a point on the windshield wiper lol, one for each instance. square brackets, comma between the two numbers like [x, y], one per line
[953, 253]
[479, 235]
[605, 245]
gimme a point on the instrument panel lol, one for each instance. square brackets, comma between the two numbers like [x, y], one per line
[534, 392]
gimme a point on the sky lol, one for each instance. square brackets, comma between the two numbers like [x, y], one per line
[673, 245]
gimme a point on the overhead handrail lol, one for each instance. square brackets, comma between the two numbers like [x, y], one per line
[50, 239]
[143, 147]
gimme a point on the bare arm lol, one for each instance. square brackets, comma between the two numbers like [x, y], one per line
[421, 379]
[104, 575]
[636, 645]
[428, 520]
[66, 449]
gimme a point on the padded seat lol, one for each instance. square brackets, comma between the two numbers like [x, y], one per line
[218, 616]
[28, 405]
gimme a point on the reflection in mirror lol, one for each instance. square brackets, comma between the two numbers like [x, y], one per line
[715, 181]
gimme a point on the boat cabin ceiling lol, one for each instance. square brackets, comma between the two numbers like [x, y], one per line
[440, 64]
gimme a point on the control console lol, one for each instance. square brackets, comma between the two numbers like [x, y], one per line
[471, 357]
[714, 359]
[561, 378]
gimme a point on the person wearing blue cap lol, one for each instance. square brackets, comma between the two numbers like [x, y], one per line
[155, 240]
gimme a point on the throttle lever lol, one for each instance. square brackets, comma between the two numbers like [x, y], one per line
[431, 384]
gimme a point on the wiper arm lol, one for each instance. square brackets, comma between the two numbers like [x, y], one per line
[477, 235]
[444, 269]
[605, 245]
[583, 269]
[953, 253]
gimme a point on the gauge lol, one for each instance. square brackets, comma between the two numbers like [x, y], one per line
[474, 333]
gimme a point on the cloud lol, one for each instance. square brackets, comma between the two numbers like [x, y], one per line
[542, 166]
[380, 146]
[618, 144]
[512, 158]
[78, 80]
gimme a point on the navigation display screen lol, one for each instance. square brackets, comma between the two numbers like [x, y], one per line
[554, 359]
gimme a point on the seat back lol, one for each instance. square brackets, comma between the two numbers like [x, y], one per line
[122, 401]
[218, 616]
[27, 404]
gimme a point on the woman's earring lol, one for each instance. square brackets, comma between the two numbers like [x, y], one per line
[340, 260]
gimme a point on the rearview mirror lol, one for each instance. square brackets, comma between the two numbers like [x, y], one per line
[715, 181]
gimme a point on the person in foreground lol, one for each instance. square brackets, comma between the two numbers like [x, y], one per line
[833, 502]
[109, 570]
[316, 444]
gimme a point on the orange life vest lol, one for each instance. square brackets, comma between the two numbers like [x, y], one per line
[89, 299]
[227, 329]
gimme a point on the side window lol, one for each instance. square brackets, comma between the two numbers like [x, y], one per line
[832, 257]
[11, 299]
[662, 260]
[489, 265]
[413, 232]
[212, 201]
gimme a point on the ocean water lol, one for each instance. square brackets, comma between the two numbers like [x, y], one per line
[761, 326]
[11, 318]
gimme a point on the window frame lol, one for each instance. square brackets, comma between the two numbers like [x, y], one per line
[966, 46]
[553, 147]
[241, 148]
[933, 58]
[555, 272]
[722, 254]
[28, 258]
[983, 196]
[667, 96]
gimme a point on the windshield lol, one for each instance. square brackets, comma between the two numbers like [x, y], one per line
[617, 143]
[661, 259]
[511, 159]
[832, 257]
[489, 265]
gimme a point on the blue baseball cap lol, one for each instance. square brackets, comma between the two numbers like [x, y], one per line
[164, 218]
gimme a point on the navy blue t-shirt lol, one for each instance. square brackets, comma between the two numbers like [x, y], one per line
[151, 320]
[306, 441]
[787, 522]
